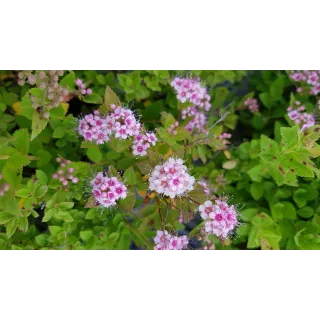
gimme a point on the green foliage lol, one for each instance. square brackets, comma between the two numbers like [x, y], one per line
[271, 167]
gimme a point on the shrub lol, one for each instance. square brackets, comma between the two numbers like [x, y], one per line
[159, 160]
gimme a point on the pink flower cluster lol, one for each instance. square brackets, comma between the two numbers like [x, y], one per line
[311, 78]
[165, 241]
[172, 128]
[121, 123]
[107, 190]
[252, 105]
[65, 173]
[94, 128]
[198, 122]
[171, 179]
[298, 116]
[142, 143]
[82, 88]
[220, 218]
[4, 188]
[224, 136]
[192, 91]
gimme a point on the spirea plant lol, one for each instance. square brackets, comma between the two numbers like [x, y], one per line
[160, 160]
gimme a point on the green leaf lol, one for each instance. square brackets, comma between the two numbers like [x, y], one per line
[256, 190]
[119, 145]
[21, 140]
[130, 176]
[66, 205]
[49, 214]
[109, 98]
[306, 212]
[248, 214]
[38, 124]
[42, 177]
[92, 98]
[5, 217]
[289, 137]
[202, 153]
[59, 132]
[64, 215]
[229, 165]
[167, 119]
[86, 235]
[69, 81]
[300, 197]
[277, 211]
[22, 193]
[94, 154]
[11, 227]
[40, 191]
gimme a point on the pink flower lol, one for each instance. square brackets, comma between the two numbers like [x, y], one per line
[171, 179]
[164, 241]
[107, 190]
[221, 219]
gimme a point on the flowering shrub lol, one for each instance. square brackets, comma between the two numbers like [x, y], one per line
[148, 159]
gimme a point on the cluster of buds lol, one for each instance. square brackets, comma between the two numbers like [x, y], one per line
[65, 172]
[172, 128]
[300, 117]
[252, 105]
[191, 90]
[204, 238]
[47, 80]
[224, 136]
[121, 123]
[4, 187]
[165, 241]
[309, 78]
[82, 90]
[107, 190]
[221, 219]
[171, 179]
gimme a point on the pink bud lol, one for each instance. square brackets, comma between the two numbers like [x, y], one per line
[68, 161]
[55, 176]
[58, 159]
[65, 182]
[78, 82]
[70, 170]
[89, 91]
[83, 91]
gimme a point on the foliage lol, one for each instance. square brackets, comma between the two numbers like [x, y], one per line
[270, 168]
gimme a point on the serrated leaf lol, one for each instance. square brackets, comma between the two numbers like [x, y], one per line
[21, 140]
[109, 98]
[289, 137]
[38, 124]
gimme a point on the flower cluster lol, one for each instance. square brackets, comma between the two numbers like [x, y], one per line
[172, 128]
[107, 190]
[65, 173]
[121, 123]
[171, 179]
[311, 78]
[252, 105]
[47, 80]
[207, 244]
[142, 143]
[166, 241]
[220, 218]
[82, 88]
[300, 117]
[4, 187]
[224, 136]
[191, 90]
[94, 128]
